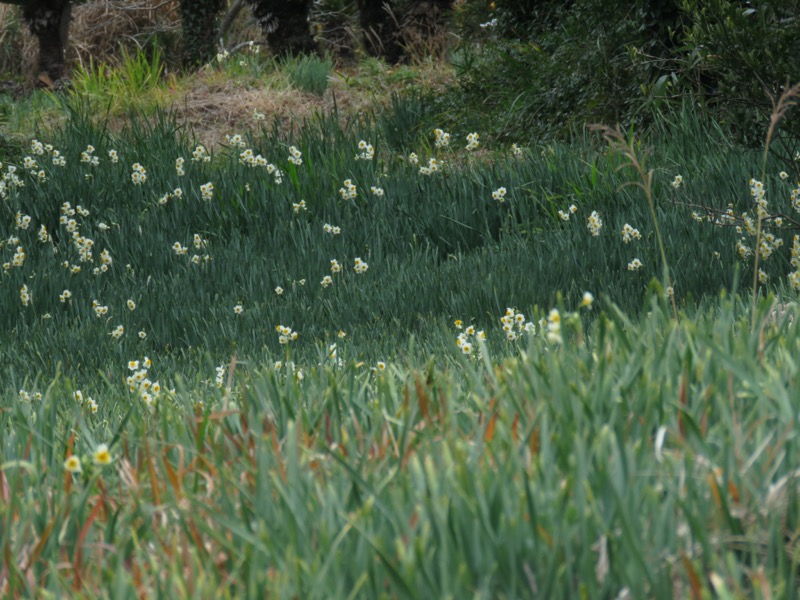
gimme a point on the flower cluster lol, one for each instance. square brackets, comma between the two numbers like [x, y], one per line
[100, 457]
[594, 223]
[295, 156]
[465, 339]
[275, 172]
[332, 229]
[759, 197]
[25, 396]
[290, 368]
[554, 327]
[442, 138]
[472, 141]
[367, 151]
[24, 295]
[348, 190]
[235, 141]
[177, 193]
[742, 249]
[360, 266]
[138, 382]
[514, 324]
[19, 257]
[376, 191]
[77, 395]
[219, 379]
[179, 162]
[87, 156]
[499, 194]
[200, 154]
[285, 334]
[379, 367]
[297, 207]
[794, 276]
[433, 167]
[99, 310]
[10, 181]
[634, 265]
[44, 235]
[139, 174]
[256, 160]
[207, 191]
[769, 243]
[37, 147]
[564, 216]
[629, 234]
[199, 243]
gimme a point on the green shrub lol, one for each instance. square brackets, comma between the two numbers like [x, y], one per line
[309, 73]
[546, 67]
[574, 67]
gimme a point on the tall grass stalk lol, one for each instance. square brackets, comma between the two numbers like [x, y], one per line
[626, 147]
[786, 101]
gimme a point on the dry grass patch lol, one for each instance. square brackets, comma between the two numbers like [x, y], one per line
[99, 32]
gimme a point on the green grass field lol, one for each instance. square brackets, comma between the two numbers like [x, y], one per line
[318, 365]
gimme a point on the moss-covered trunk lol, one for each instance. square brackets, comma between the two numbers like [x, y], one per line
[199, 22]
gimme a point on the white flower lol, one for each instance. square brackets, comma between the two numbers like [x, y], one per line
[594, 223]
[586, 301]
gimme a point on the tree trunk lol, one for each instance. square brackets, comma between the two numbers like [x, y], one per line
[379, 27]
[48, 20]
[285, 25]
[199, 27]
[424, 28]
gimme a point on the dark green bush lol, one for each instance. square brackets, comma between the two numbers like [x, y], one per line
[199, 25]
[540, 68]
[572, 64]
[745, 53]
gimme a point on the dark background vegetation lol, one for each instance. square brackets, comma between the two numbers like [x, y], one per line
[525, 68]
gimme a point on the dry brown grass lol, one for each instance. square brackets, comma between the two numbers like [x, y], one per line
[215, 105]
[100, 31]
